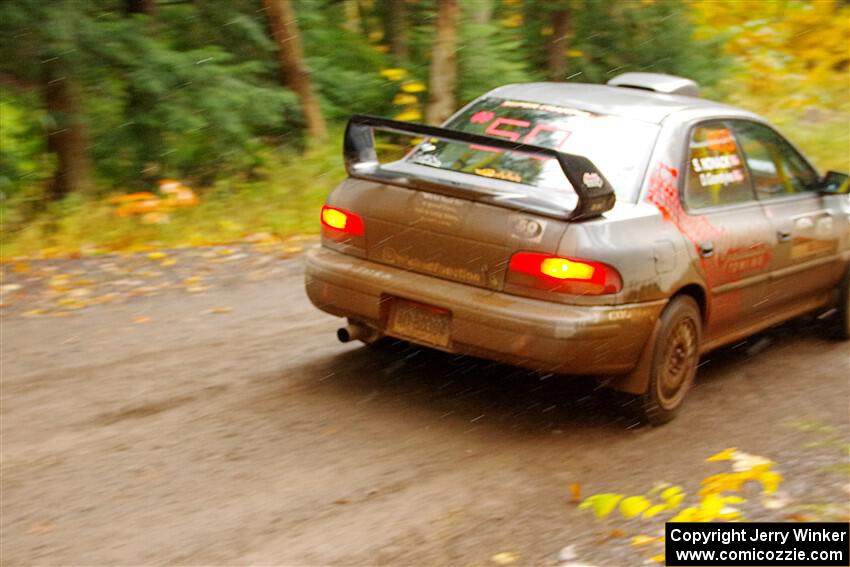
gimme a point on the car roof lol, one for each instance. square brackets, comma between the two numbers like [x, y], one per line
[628, 102]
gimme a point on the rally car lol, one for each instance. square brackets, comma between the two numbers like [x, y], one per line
[616, 230]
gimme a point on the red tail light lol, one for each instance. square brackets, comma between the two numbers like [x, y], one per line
[342, 222]
[565, 275]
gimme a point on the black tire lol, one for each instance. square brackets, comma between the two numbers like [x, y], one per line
[674, 361]
[842, 318]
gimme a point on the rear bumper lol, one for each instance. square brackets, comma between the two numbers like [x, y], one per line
[527, 332]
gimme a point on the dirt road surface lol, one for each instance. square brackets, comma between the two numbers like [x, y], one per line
[228, 426]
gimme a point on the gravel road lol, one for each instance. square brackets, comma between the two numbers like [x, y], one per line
[224, 424]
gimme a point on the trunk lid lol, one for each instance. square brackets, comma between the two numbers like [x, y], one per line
[445, 236]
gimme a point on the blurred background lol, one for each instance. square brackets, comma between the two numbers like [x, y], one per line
[131, 122]
[169, 396]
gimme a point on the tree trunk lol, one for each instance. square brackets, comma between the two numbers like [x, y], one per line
[557, 44]
[399, 46]
[483, 12]
[147, 7]
[67, 135]
[284, 29]
[443, 72]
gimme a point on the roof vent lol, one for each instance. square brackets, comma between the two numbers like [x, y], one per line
[657, 82]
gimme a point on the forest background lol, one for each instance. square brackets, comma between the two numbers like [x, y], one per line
[141, 124]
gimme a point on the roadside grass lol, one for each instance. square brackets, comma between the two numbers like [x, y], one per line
[283, 199]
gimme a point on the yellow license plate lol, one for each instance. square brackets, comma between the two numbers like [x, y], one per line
[421, 323]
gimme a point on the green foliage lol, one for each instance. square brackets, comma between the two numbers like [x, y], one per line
[21, 143]
[654, 36]
[345, 67]
[160, 98]
[489, 55]
[194, 92]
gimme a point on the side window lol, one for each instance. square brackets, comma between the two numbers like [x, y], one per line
[716, 174]
[776, 168]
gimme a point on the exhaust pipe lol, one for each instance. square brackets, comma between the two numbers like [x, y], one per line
[353, 331]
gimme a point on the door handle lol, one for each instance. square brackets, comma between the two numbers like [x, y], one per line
[783, 235]
[706, 248]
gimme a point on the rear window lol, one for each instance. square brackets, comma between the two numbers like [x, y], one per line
[619, 147]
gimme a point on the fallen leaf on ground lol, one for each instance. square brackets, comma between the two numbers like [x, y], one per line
[723, 455]
[602, 504]
[505, 558]
[41, 528]
[644, 540]
[567, 553]
[775, 501]
[156, 255]
[219, 310]
[140, 319]
[575, 493]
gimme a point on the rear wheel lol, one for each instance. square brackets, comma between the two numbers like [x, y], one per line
[674, 361]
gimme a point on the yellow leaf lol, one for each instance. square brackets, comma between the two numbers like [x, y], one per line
[644, 540]
[156, 255]
[575, 53]
[633, 505]
[21, 267]
[168, 262]
[673, 496]
[710, 507]
[221, 310]
[769, 481]
[689, 514]
[139, 319]
[409, 115]
[413, 87]
[404, 99]
[657, 558]
[724, 455]
[654, 510]
[505, 558]
[394, 74]
[602, 504]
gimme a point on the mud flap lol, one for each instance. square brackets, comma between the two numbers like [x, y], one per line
[637, 381]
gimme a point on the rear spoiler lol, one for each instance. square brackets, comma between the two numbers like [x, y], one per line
[595, 194]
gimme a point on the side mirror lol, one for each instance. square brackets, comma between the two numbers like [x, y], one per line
[834, 183]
